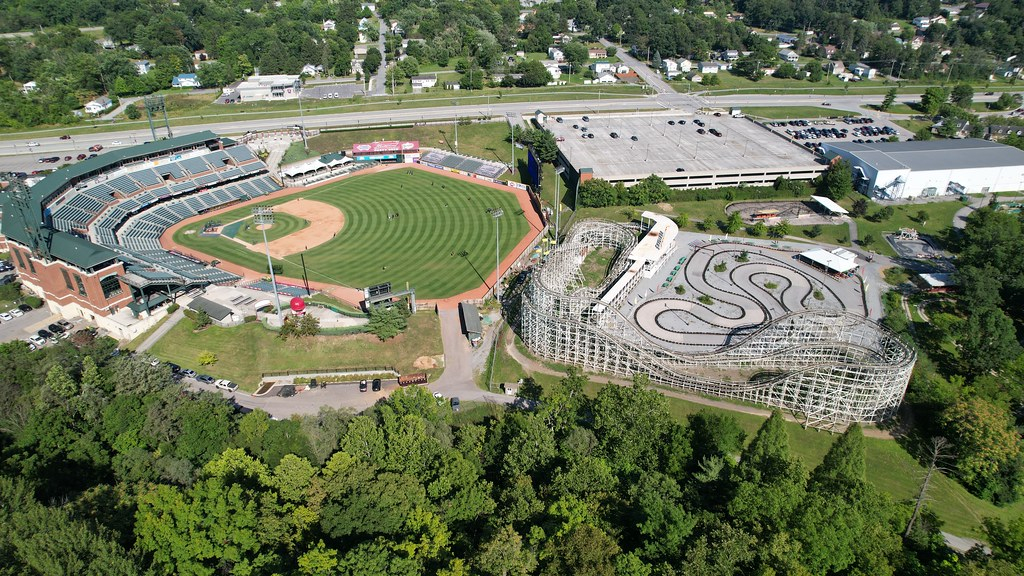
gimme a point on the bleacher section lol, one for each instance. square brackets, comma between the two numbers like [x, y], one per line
[129, 212]
[463, 163]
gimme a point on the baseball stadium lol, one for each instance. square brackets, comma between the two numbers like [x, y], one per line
[117, 236]
[758, 322]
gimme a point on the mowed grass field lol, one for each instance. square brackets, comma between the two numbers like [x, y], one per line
[442, 242]
[284, 224]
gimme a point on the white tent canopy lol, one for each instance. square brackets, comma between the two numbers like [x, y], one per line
[829, 205]
[833, 262]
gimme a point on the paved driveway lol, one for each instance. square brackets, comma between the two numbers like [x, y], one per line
[22, 327]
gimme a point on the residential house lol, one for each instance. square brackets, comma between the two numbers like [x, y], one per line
[312, 70]
[143, 67]
[360, 51]
[620, 68]
[601, 66]
[606, 78]
[593, 53]
[785, 40]
[364, 23]
[396, 28]
[556, 54]
[552, 68]
[329, 25]
[709, 14]
[730, 55]
[684, 65]
[670, 67]
[837, 67]
[370, 5]
[200, 56]
[708, 68]
[570, 24]
[561, 38]
[830, 51]
[29, 86]
[695, 77]
[628, 77]
[186, 81]
[938, 20]
[980, 9]
[895, 28]
[107, 44]
[864, 71]
[423, 81]
[999, 132]
[923, 22]
[1007, 70]
[961, 128]
[917, 42]
[789, 56]
[98, 105]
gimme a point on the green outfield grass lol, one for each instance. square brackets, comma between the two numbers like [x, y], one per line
[284, 224]
[442, 243]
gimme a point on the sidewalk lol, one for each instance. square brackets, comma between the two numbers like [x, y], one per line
[162, 330]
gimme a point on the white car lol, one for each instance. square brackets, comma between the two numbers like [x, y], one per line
[115, 143]
[225, 385]
[39, 342]
[33, 143]
[6, 317]
[15, 312]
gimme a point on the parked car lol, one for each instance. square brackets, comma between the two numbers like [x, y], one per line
[115, 143]
[376, 384]
[286, 391]
[188, 373]
[671, 122]
[24, 307]
[634, 138]
[174, 367]
[44, 334]
[81, 156]
[205, 379]
[65, 324]
[586, 118]
[15, 312]
[614, 134]
[33, 144]
[52, 327]
[225, 385]
[362, 385]
[456, 405]
[6, 317]
[559, 120]
[38, 341]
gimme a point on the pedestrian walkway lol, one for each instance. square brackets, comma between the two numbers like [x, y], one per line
[162, 330]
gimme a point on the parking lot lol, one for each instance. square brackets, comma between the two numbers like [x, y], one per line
[859, 129]
[339, 91]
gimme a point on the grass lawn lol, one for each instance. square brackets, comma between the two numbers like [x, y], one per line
[795, 112]
[913, 125]
[296, 152]
[442, 242]
[485, 140]
[838, 234]
[940, 217]
[284, 224]
[245, 352]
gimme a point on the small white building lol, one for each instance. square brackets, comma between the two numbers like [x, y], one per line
[98, 105]
[895, 28]
[423, 81]
[329, 25]
[708, 68]
[29, 86]
[923, 22]
[864, 71]
[684, 65]
[670, 66]
[556, 54]
[186, 81]
[273, 87]
[553, 68]
[593, 53]
[789, 56]
[730, 55]
[312, 70]
[606, 78]
[601, 66]
[143, 67]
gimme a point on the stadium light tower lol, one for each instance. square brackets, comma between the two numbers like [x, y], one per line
[558, 201]
[497, 214]
[263, 216]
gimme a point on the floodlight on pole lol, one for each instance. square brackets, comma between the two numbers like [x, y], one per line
[558, 202]
[497, 214]
[302, 122]
[263, 216]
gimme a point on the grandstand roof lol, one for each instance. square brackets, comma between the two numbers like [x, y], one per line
[215, 310]
[67, 247]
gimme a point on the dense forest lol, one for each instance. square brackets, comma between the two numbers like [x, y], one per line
[109, 467]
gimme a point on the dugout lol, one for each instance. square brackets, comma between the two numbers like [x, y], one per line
[471, 325]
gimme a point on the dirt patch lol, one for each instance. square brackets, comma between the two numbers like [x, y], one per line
[665, 207]
[424, 363]
[325, 221]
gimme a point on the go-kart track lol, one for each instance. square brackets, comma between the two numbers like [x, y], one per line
[750, 322]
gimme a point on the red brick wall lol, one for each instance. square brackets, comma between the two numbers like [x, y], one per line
[50, 280]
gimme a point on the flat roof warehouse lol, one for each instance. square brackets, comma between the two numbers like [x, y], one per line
[745, 153]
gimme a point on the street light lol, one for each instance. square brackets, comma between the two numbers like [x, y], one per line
[302, 122]
[496, 214]
[263, 216]
[558, 201]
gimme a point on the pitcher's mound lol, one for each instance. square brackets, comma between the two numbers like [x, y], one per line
[424, 363]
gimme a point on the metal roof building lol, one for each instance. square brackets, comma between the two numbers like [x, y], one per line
[897, 170]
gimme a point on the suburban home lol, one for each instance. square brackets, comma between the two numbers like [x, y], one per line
[143, 67]
[601, 66]
[864, 71]
[360, 50]
[597, 53]
[999, 132]
[556, 54]
[695, 77]
[620, 68]
[312, 70]
[364, 23]
[670, 66]
[628, 77]
[708, 68]
[561, 38]
[29, 86]
[838, 67]
[730, 55]
[329, 25]
[606, 78]
[423, 81]
[396, 28]
[186, 81]
[895, 28]
[789, 56]
[370, 5]
[570, 25]
[939, 20]
[684, 65]
[830, 51]
[552, 68]
[200, 56]
[923, 22]
[98, 105]
[917, 42]
[107, 44]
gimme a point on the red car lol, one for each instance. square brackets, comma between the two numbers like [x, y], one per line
[95, 148]
[66, 137]
[81, 156]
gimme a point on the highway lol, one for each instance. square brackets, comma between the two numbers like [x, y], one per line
[18, 156]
